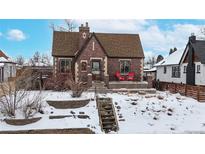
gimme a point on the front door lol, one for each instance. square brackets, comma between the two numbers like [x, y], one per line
[190, 73]
[96, 73]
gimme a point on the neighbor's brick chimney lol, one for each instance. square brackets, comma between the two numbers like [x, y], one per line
[84, 32]
[192, 38]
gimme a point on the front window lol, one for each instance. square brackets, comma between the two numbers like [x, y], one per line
[65, 65]
[165, 69]
[125, 66]
[198, 68]
[176, 72]
[83, 66]
[185, 67]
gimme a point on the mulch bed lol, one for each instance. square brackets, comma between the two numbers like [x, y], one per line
[20, 122]
[51, 131]
[68, 104]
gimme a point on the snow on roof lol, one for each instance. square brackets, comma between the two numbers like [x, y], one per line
[151, 70]
[172, 59]
[1, 64]
[29, 63]
[2, 59]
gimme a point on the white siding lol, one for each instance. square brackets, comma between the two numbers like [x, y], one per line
[183, 75]
[7, 71]
[167, 77]
[200, 77]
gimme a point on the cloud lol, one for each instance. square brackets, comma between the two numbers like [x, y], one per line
[115, 26]
[155, 39]
[16, 35]
[1, 34]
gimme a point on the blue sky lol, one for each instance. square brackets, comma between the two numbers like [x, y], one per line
[24, 37]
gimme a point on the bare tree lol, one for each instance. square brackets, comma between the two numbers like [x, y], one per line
[13, 93]
[20, 60]
[52, 26]
[151, 61]
[46, 59]
[32, 105]
[77, 88]
[37, 56]
[71, 25]
[159, 58]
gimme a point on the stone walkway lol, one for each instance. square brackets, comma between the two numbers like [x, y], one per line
[107, 115]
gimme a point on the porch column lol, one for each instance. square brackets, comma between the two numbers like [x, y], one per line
[105, 66]
[89, 84]
[141, 69]
[106, 80]
[76, 72]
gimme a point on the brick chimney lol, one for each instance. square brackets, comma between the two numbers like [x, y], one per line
[84, 32]
[192, 38]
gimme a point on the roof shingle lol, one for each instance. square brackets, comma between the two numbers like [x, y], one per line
[115, 45]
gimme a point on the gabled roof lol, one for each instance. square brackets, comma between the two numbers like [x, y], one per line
[153, 69]
[4, 58]
[199, 49]
[65, 43]
[115, 45]
[172, 59]
[121, 45]
[2, 54]
[86, 43]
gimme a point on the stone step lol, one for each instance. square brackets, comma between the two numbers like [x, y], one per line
[107, 114]
[107, 122]
[104, 110]
[110, 127]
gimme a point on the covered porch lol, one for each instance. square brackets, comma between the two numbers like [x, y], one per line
[127, 84]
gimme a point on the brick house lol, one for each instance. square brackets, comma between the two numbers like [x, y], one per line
[99, 54]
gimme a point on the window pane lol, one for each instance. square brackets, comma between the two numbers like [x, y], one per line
[124, 67]
[65, 65]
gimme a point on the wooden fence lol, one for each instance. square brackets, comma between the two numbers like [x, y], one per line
[196, 92]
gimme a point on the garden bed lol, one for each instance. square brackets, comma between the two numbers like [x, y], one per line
[51, 131]
[20, 122]
[68, 104]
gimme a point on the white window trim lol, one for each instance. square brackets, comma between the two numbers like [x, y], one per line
[95, 58]
[120, 65]
[81, 64]
[124, 59]
[63, 58]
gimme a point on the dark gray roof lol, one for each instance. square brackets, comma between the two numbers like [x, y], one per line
[199, 48]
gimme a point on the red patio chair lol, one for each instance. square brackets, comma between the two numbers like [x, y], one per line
[119, 77]
[131, 76]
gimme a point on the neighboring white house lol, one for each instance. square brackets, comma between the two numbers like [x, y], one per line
[7, 67]
[169, 70]
[186, 67]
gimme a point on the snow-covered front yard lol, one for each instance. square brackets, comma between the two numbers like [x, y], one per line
[151, 113]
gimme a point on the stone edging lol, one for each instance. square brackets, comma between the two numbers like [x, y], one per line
[68, 104]
[20, 122]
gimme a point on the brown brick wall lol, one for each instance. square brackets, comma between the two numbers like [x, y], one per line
[114, 65]
[88, 53]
